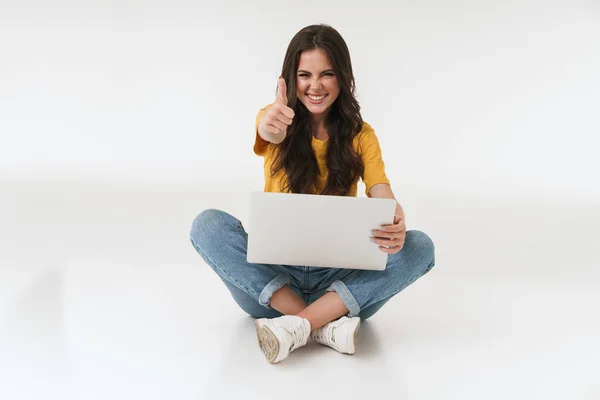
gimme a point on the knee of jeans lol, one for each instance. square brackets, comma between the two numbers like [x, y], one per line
[422, 245]
[207, 222]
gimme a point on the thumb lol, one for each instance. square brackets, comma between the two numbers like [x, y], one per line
[281, 92]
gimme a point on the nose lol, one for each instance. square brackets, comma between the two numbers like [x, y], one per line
[316, 83]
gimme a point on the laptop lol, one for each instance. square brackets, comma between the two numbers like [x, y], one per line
[317, 230]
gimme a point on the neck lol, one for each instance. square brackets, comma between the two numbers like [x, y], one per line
[318, 121]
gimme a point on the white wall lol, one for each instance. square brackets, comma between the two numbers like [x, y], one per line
[484, 96]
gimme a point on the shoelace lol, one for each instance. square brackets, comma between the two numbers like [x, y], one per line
[299, 336]
[325, 335]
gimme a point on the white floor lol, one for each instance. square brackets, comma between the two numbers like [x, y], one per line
[103, 297]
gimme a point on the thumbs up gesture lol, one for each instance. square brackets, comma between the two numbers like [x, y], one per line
[281, 92]
[276, 119]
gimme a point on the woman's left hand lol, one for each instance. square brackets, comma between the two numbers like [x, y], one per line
[390, 238]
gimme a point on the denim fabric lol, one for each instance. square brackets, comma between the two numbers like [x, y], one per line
[222, 241]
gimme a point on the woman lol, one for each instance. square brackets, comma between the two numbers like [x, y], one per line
[314, 141]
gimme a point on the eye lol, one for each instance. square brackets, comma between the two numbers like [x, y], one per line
[303, 75]
[329, 74]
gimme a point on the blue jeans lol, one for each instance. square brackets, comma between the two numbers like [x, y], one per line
[222, 242]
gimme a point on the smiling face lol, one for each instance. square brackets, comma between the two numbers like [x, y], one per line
[316, 83]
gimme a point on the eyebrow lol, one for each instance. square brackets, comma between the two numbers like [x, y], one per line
[302, 70]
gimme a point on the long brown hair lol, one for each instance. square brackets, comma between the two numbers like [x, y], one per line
[295, 154]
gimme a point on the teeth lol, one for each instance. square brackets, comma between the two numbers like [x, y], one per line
[316, 98]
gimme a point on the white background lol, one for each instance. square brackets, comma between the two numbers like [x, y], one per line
[481, 95]
[121, 121]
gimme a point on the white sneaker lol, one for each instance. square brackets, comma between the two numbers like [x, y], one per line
[278, 337]
[339, 334]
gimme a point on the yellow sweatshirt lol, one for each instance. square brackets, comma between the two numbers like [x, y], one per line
[365, 143]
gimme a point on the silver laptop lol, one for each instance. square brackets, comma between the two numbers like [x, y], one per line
[316, 230]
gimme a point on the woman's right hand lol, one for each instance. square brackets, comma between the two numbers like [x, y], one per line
[278, 116]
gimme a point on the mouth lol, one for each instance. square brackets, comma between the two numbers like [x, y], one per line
[316, 99]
